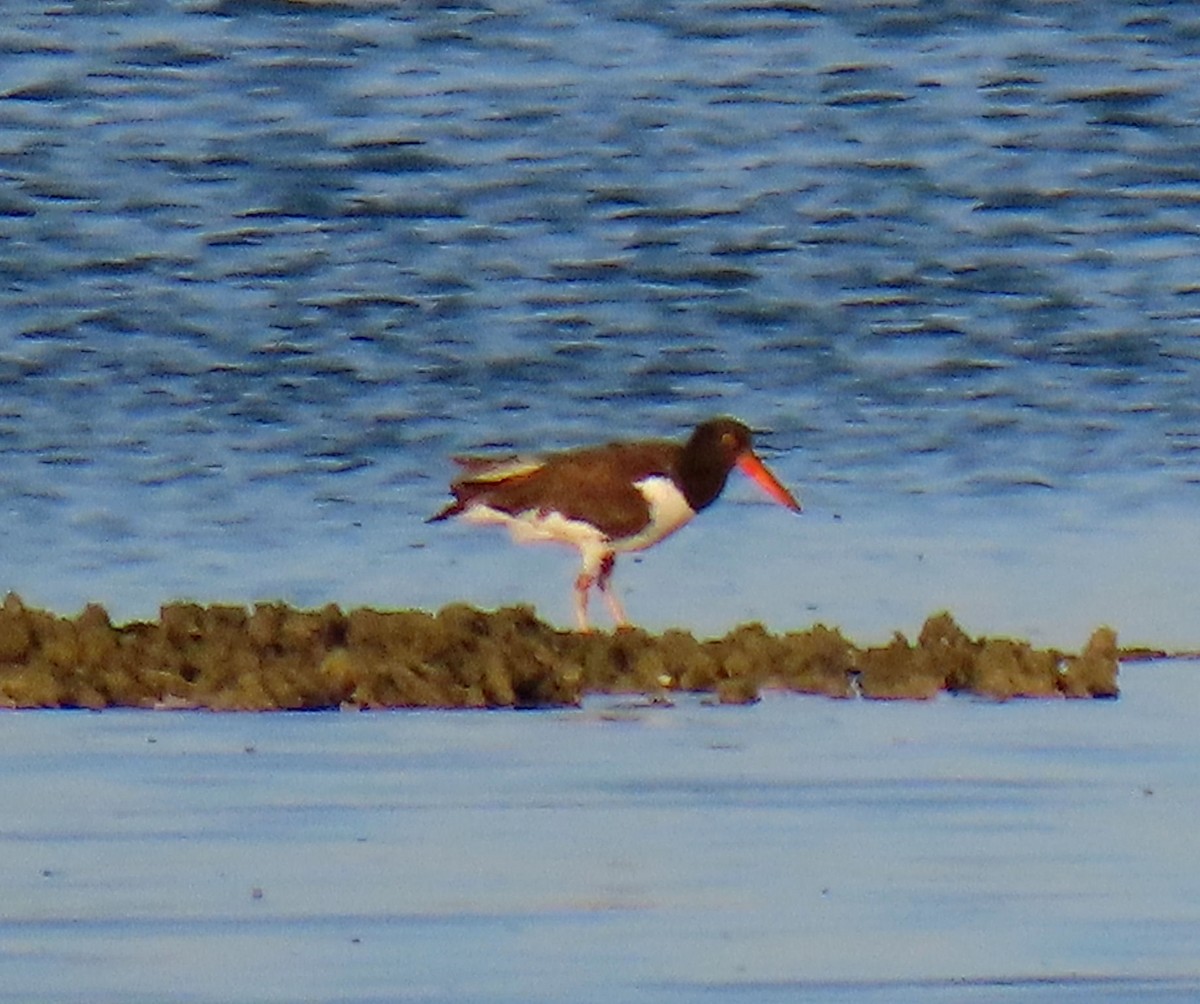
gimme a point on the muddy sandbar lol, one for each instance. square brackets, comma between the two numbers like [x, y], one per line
[276, 657]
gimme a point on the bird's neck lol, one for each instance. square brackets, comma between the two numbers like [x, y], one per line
[702, 478]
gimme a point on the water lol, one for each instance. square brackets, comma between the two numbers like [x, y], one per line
[799, 849]
[264, 265]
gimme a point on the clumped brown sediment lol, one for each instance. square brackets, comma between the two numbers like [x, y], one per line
[276, 657]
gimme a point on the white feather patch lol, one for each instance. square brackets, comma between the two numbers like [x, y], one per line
[668, 512]
[532, 526]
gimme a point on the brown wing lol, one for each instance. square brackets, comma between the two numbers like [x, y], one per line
[595, 484]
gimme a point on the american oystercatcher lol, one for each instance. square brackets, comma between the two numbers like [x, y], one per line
[606, 500]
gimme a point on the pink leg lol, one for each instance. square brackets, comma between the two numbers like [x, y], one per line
[582, 584]
[614, 605]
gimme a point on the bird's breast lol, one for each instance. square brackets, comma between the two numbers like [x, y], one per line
[669, 511]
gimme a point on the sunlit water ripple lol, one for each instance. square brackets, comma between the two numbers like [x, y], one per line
[263, 266]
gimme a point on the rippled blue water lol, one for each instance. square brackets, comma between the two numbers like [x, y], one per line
[264, 265]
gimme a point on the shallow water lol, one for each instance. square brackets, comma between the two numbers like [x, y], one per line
[264, 265]
[798, 849]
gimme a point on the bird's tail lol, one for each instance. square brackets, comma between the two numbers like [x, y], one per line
[453, 509]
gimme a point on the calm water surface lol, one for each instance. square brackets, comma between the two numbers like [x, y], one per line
[264, 265]
[801, 849]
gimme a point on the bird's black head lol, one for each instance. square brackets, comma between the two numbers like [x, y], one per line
[708, 457]
[715, 448]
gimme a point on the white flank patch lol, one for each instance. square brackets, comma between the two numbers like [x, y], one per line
[532, 526]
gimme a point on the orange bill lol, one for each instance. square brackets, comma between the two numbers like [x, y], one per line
[757, 471]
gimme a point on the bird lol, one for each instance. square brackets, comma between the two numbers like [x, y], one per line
[610, 499]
